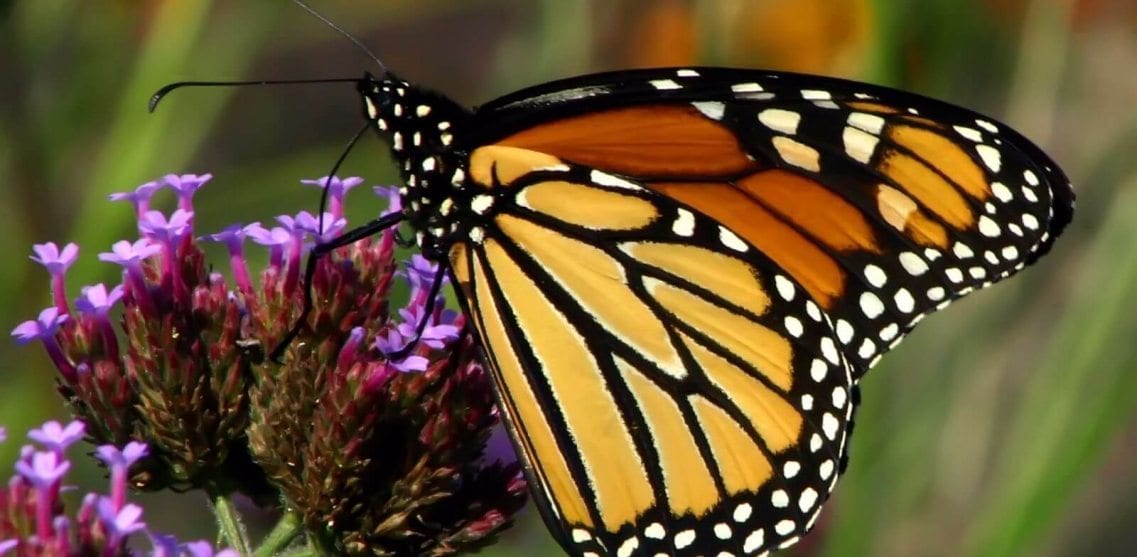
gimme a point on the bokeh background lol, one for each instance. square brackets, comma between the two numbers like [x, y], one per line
[1004, 427]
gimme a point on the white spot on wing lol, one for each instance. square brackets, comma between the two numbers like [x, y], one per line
[797, 154]
[687, 73]
[746, 88]
[731, 240]
[987, 126]
[913, 264]
[991, 157]
[684, 224]
[815, 95]
[866, 122]
[605, 179]
[777, 119]
[711, 109]
[859, 145]
[665, 84]
[969, 133]
[871, 305]
[785, 288]
[481, 203]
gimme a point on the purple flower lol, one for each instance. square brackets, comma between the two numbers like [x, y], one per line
[120, 522]
[166, 230]
[130, 256]
[233, 236]
[140, 197]
[433, 335]
[57, 262]
[3, 435]
[391, 194]
[337, 189]
[57, 437]
[8, 545]
[164, 545]
[205, 549]
[332, 226]
[125, 458]
[420, 273]
[43, 329]
[95, 300]
[275, 239]
[394, 342]
[185, 185]
[43, 469]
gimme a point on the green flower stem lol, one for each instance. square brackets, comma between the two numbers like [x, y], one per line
[229, 523]
[286, 530]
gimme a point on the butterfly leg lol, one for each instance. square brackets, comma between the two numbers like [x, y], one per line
[318, 251]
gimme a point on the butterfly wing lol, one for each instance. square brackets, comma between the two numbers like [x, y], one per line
[670, 387]
[680, 275]
[883, 205]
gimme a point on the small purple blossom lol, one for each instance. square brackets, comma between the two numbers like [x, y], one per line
[420, 273]
[44, 329]
[120, 522]
[43, 469]
[394, 342]
[275, 239]
[433, 335]
[114, 457]
[119, 462]
[130, 256]
[140, 197]
[186, 185]
[57, 262]
[205, 549]
[8, 545]
[164, 229]
[391, 194]
[41, 328]
[309, 223]
[233, 236]
[96, 300]
[57, 437]
[337, 189]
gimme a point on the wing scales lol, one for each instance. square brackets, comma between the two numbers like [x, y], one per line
[714, 407]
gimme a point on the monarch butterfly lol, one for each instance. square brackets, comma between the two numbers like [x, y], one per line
[680, 275]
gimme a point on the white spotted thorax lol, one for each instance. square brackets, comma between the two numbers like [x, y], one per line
[420, 126]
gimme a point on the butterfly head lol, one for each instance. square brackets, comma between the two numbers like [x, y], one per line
[421, 127]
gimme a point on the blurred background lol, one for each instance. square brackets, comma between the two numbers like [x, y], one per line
[1004, 427]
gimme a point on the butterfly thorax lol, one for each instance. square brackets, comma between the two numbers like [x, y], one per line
[421, 127]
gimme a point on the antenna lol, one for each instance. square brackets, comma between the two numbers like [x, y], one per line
[341, 31]
[171, 87]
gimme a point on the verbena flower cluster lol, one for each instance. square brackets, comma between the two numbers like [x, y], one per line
[33, 518]
[372, 454]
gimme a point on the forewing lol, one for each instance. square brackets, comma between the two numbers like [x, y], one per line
[883, 205]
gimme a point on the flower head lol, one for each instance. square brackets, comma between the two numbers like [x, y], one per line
[371, 401]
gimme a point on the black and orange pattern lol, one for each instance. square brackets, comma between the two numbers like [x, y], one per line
[680, 275]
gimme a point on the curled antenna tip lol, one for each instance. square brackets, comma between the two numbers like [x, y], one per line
[159, 95]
